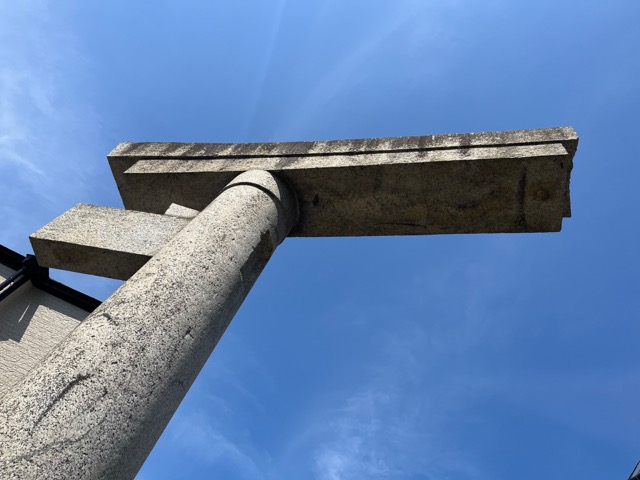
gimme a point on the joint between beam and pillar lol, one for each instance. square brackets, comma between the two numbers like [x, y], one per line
[161, 326]
[277, 188]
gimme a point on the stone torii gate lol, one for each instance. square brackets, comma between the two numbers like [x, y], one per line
[199, 225]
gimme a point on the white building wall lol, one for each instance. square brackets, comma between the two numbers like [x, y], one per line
[32, 323]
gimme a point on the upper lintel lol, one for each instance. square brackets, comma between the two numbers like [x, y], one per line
[516, 181]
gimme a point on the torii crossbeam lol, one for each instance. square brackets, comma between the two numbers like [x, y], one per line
[200, 224]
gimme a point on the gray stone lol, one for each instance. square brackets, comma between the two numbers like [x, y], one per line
[109, 242]
[176, 210]
[96, 406]
[126, 153]
[473, 183]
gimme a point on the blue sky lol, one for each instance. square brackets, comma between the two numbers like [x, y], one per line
[432, 358]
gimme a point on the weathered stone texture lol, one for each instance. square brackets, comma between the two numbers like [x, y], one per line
[109, 242]
[472, 183]
[176, 210]
[98, 404]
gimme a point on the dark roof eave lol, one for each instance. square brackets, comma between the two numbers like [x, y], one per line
[39, 277]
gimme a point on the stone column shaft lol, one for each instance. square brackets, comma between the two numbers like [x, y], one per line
[97, 405]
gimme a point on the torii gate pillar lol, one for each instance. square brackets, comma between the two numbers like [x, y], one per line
[97, 405]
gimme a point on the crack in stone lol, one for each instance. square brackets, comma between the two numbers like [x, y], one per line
[29, 457]
[79, 378]
[109, 318]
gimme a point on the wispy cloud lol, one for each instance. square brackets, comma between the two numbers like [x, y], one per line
[393, 426]
[404, 417]
[195, 436]
[368, 438]
[214, 430]
[420, 28]
[46, 129]
[407, 417]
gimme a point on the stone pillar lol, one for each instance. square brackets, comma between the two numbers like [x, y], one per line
[97, 405]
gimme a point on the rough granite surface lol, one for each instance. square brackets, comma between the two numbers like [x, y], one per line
[104, 241]
[488, 182]
[96, 406]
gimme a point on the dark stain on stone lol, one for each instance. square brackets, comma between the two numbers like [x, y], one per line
[79, 378]
[466, 142]
[521, 221]
[541, 195]
[468, 205]
[257, 260]
[316, 200]
[401, 224]
[58, 444]
[109, 319]
[179, 385]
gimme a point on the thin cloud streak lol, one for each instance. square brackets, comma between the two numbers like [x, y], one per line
[194, 434]
[41, 117]
[15, 137]
[49, 134]
[421, 31]
[261, 77]
[406, 419]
